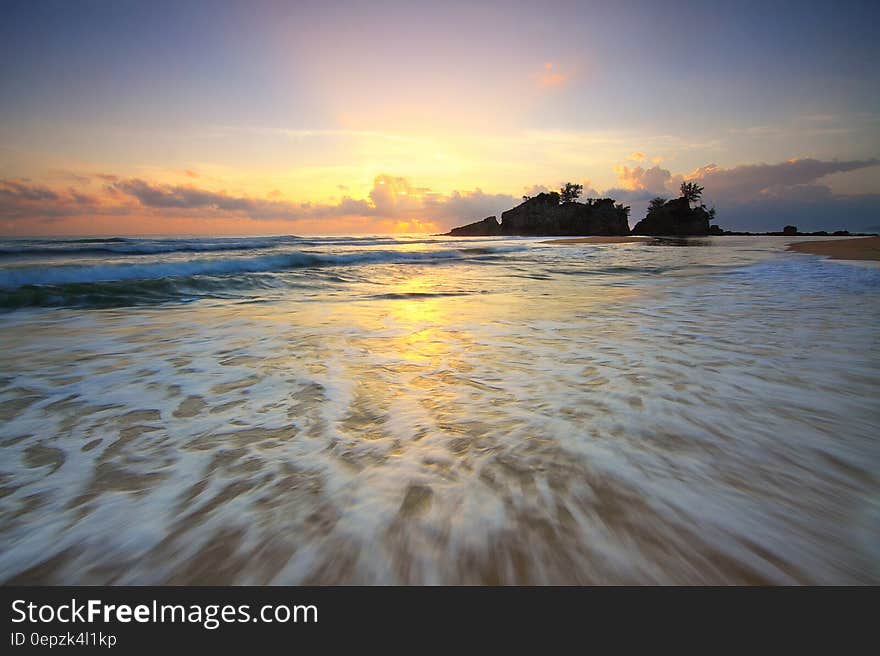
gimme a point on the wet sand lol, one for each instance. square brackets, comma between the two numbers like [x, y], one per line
[597, 240]
[859, 248]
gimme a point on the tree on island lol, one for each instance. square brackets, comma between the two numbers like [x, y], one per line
[685, 215]
[691, 191]
[657, 203]
[620, 207]
[570, 192]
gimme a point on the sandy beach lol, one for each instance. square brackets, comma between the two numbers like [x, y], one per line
[597, 240]
[859, 248]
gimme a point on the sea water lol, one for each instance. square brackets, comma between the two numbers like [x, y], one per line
[284, 410]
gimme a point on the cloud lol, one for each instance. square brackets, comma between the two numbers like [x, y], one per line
[752, 197]
[194, 200]
[755, 181]
[392, 203]
[534, 190]
[652, 180]
[179, 196]
[21, 199]
[795, 178]
[589, 191]
[760, 196]
[23, 191]
[551, 76]
[391, 197]
[768, 196]
[458, 206]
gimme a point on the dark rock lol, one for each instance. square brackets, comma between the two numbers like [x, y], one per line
[485, 228]
[674, 217]
[543, 215]
[531, 216]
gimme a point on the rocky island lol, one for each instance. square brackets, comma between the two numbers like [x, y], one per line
[684, 216]
[559, 214]
[554, 214]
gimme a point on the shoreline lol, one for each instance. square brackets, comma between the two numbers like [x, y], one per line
[599, 240]
[859, 248]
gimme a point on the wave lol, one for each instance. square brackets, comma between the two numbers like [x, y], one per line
[122, 293]
[121, 246]
[14, 277]
[122, 284]
[92, 240]
[409, 296]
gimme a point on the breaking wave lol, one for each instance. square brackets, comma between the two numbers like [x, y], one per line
[135, 282]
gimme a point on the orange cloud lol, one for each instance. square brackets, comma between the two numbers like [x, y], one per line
[550, 76]
[639, 178]
[393, 205]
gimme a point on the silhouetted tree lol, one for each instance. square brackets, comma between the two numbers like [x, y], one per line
[691, 191]
[525, 198]
[570, 192]
[656, 203]
[622, 208]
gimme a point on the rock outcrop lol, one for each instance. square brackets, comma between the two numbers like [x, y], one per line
[485, 228]
[543, 215]
[675, 217]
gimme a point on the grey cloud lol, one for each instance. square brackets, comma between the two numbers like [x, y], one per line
[180, 197]
[751, 181]
[447, 210]
[390, 197]
[761, 197]
[20, 199]
[20, 190]
[768, 196]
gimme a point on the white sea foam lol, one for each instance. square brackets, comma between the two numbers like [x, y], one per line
[631, 413]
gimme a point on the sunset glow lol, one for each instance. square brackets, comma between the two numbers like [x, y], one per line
[282, 119]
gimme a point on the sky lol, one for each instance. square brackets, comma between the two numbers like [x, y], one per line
[268, 117]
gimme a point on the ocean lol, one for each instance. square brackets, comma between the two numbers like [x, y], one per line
[428, 410]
